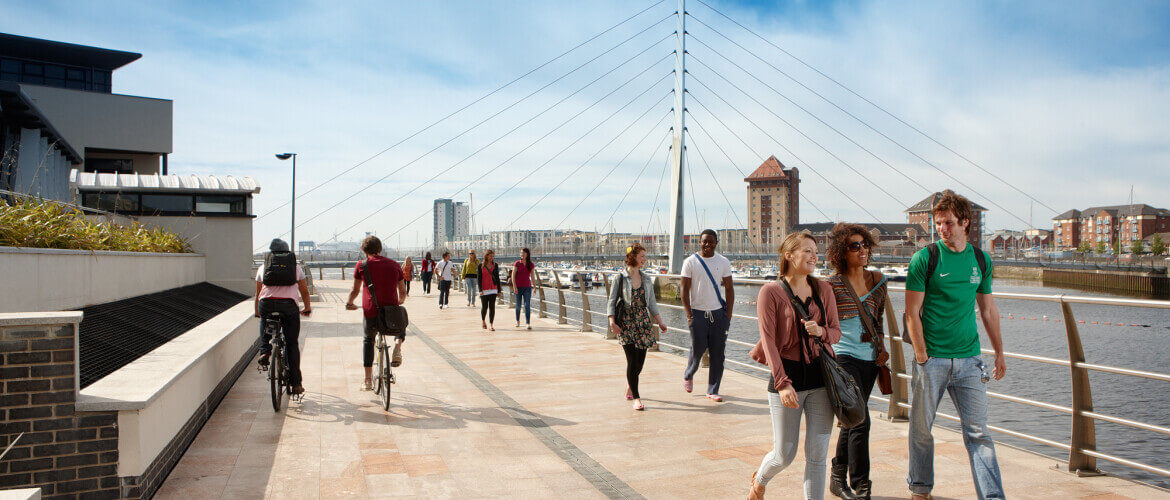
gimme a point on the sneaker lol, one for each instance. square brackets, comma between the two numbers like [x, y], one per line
[715, 397]
[264, 359]
[366, 386]
[529, 327]
[688, 385]
[396, 357]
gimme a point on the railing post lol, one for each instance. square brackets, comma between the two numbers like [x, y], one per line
[657, 332]
[896, 412]
[1084, 434]
[560, 299]
[540, 291]
[586, 315]
[608, 331]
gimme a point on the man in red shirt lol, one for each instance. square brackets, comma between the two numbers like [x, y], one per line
[386, 275]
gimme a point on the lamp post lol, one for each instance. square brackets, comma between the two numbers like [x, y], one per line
[292, 230]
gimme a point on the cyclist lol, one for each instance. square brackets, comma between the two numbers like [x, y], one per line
[280, 282]
[386, 275]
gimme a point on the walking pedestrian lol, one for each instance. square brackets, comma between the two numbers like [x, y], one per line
[407, 273]
[446, 272]
[428, 270]
[796, 385]
[631, 305]
[947, 280]
[489, 278]
[470, 277]
[708, 310]
[522, 272]
[386, 276]
[861, 298]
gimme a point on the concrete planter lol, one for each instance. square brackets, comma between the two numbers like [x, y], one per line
[43, 279]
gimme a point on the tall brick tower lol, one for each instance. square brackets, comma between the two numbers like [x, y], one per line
[773, 193]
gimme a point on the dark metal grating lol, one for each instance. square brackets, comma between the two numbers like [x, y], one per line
[113, 334]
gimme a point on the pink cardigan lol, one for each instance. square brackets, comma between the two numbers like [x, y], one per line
[779, 323]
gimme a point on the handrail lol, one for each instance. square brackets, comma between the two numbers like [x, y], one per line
[1082, 445]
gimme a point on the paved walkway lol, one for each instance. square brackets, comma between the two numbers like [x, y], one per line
[529, 414]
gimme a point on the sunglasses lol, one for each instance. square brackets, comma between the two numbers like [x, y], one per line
[856, 246]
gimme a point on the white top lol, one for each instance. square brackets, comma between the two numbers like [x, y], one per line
[702, 291]
[444, 268]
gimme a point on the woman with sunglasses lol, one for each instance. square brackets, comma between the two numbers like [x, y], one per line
[858, 352]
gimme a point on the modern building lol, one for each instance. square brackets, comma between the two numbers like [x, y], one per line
[920, 214]
[888, 236]
[1109, 224]
[451, 221]
[58, 112]
[773, 202]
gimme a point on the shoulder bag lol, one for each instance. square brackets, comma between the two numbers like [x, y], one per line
[391, 319]
[844, 394]
[619, 306]
[884, 382]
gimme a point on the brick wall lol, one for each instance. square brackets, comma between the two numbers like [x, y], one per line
[66, 454]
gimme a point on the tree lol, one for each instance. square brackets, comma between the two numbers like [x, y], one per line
[1157, 246]
[1084, 247]
[1138, 247]
[1102, 247]
[1117, 247]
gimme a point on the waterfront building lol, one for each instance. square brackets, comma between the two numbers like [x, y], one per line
[452, 220]
[1109, 224]
[58, 112]
[462, 244]
[919, 214]
[773, 202]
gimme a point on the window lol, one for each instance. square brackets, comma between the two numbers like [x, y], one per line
[220, 204]
[111, 202]
[155, 203]
[110, 165]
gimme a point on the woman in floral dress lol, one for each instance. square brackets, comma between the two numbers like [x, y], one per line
[630, 308]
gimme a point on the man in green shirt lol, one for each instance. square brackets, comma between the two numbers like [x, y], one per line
[943, 286]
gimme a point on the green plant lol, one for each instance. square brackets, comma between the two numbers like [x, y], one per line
[1084, 247]
[1138, 247]
[1117, 247]
[1102, 247]
[38, 223]
[1157, 246]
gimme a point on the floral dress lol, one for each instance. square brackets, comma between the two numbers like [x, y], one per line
[639, 328]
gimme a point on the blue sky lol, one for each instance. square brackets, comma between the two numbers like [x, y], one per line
[1065, 101]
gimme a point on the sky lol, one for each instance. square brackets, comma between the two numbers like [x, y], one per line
[1028, 108]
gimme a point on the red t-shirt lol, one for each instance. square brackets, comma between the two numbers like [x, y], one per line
[523, 275]
[386, 274]
[485, 278]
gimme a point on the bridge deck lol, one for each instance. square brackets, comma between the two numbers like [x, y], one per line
[535, 414]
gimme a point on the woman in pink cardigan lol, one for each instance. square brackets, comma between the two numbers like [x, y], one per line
[796, 385]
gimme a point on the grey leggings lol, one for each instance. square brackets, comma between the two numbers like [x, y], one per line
[814, 404]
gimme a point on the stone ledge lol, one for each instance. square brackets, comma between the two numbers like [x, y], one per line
[136, 385]
[40, 318]
[66, 251]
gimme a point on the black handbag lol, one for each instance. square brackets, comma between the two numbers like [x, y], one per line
[391, 319]
[619, 306]
[844, 394]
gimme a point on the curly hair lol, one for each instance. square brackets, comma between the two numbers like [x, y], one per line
[790, 244]
[372, 245]
[839, 244]
[956, 204]
[632, 253]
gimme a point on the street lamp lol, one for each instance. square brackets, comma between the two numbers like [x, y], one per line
[293, 224]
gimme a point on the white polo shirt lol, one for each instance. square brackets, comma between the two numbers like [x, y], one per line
[703, 296]
[444, 268]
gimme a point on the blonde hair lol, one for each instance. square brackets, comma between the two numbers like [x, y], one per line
[790, 244]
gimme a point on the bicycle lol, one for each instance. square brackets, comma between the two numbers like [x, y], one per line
[278, 370]
[385, 373]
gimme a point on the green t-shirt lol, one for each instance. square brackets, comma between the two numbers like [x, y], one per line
[948, 310]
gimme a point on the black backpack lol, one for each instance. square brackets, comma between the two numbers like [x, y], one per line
[932, 261]
[280, 269]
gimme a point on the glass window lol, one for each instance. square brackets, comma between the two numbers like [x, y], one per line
[54, 71]
[220, 204]
[111, 202]
[9, 66]
[154, 203]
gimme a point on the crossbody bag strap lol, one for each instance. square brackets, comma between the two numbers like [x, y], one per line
[718, 295]
[369, 283]
[804, 315]
[866, 321]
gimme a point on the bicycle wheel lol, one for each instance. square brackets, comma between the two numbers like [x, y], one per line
[381, 361]
[385, 377]
[276, 377]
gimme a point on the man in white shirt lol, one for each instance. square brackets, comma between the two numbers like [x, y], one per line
[445, 271]
[708, 310]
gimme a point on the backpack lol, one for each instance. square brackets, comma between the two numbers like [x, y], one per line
[280, 269]
[932, 261]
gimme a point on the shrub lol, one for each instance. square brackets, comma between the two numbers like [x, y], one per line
[36, 223]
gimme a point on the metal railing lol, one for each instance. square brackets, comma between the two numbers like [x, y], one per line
[1082, 443]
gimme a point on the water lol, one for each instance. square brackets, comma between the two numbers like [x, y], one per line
[1143, 347]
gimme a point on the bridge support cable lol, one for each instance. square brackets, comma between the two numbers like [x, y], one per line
[658, 190]
[785, 148]
[482, 98]
[699, 222]
[807, 112]
[612, 170]
[874, 105]
[694, 144]
[590, 158]
[555, 156]
[609, 221]
[750, 148]
[562, 100]
[901, 203]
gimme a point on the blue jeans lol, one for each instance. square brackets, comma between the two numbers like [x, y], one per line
[814, 405]
[471, 286]
[708, 333]
[964, 379]
[524, 294]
